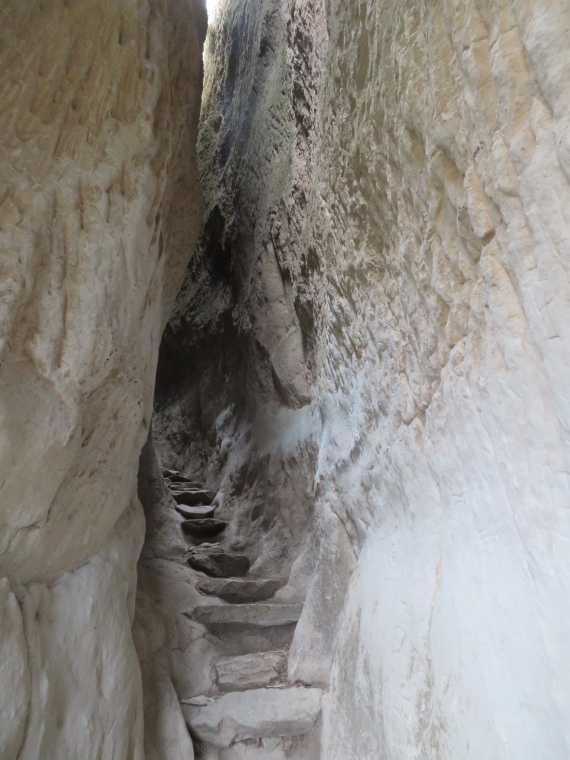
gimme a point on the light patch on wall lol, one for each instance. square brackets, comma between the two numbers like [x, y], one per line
[212, 6]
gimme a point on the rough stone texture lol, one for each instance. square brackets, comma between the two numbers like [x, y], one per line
[218, 564]
[387, 200]
[241, 591]
[257, 713]
[251, 751]
[304, 747]
[99, 208]
[195, 513]
[176, 658]
[163, 533]
[249, 671]
[192, 497]
[233, 369]
[261, 615]
[206, 527]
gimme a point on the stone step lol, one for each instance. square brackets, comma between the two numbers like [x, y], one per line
[236, 641]
[255, 714]
[195, 513]
[193, 497]
[203, 527]
[175, 477]
[212, 560]
[170, 473]
[266, 749]
[240, 591]
[184, 485]
[247, 615]
[250, 671]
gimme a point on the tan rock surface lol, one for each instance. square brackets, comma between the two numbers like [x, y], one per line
[387, 188]
[257, 713]
[99, 208]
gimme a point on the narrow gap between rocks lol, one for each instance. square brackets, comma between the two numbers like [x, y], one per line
[228, 501]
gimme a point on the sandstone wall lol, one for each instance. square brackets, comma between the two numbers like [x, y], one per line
[457, 160]
[392, 218]
[99, 210]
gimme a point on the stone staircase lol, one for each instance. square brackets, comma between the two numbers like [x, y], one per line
[252, 711]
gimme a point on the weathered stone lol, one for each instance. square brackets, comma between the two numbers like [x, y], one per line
[239, 640]
[249, 671]
[170, 473]
[193, 497]
[267, 749]
[195, 513]
[219, 564]
[209, 548]
[181, 482]
[256, 714]
[421, 294]
[203, 526]
[100, 208]
[251, 615]
[238, 591]
[199, 701]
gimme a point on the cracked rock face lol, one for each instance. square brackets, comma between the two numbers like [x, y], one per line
[385, 262]
[99, 207]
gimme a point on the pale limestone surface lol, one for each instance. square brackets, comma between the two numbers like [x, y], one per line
[262, 615]
[457, 611]
[392, 179]
[249, 671]
[257, 713]
[99, 208]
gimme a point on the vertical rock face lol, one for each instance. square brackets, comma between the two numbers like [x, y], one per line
[387, 198]
[99, 209]
[237, 360]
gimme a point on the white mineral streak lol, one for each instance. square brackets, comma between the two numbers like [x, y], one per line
[424, 212]
[98, 211]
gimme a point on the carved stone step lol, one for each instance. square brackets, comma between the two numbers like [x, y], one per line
[250, 671]
[170, 473]
[240, 591]
[248, 615]
[212, 560]
[195, 513]
[174, 476]
[179, 483]
[266, 749]
[193, 497]
[255, 714]
[204, 527]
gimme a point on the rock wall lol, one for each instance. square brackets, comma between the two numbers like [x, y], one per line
[376, 347]
[237, 358]
[99, 210]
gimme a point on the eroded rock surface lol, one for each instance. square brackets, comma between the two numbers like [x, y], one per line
[238, 591]
[99, 208]
[255, 615]
[256, 714]
[249, 671]
[212, 560]
[382, 285]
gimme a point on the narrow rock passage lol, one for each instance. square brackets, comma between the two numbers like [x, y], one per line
[251, 709]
